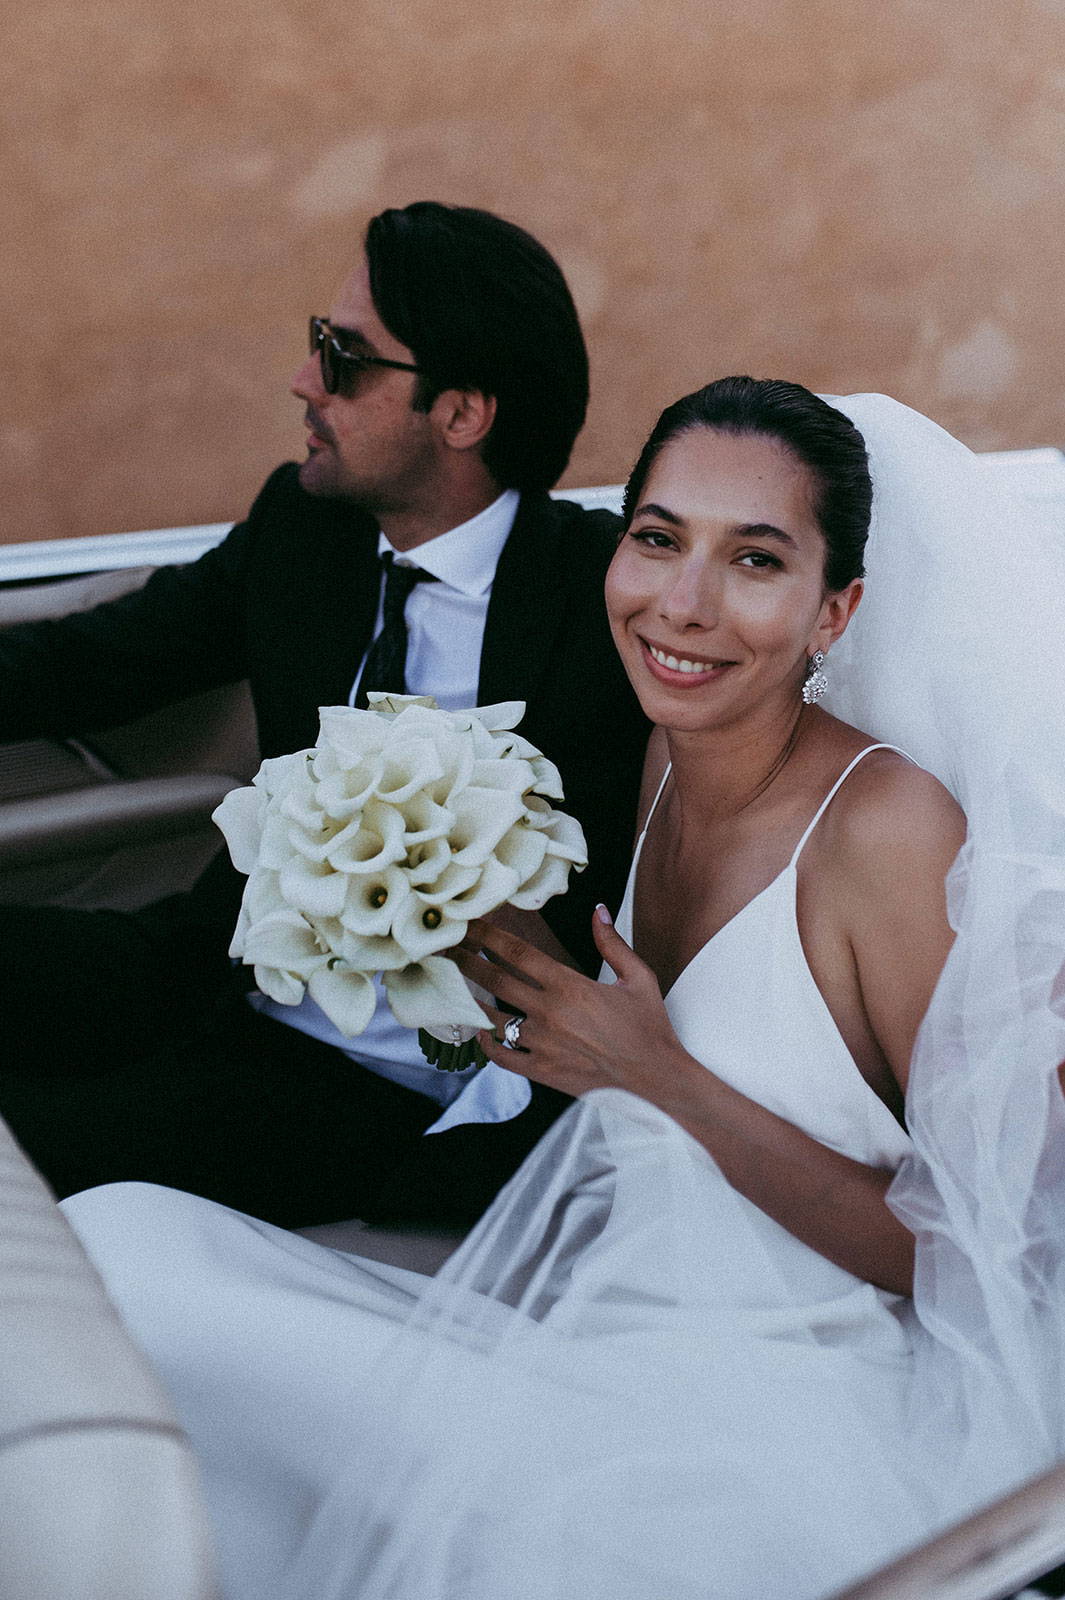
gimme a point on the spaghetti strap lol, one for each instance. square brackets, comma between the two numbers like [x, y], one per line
[657, 798]
[840, 781]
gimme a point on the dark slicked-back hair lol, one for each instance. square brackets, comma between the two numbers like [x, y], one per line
[483, 306]
[821, 437]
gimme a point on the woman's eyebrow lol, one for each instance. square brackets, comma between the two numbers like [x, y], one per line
[763, 530]
[742, 530]
[651, 509]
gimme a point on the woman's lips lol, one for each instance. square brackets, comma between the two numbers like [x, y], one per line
[681, 671]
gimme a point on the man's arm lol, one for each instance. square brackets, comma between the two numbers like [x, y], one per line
[182, 633]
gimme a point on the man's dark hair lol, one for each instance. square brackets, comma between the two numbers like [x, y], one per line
[482, 305]
[821, 437]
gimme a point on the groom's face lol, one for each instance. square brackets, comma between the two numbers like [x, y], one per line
[366, 443]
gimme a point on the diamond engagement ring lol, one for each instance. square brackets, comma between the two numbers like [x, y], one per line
[512, 1032]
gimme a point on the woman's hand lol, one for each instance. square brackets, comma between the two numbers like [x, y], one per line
[576, 1035]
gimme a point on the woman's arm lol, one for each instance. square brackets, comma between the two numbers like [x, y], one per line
[582, 1035]
[888, 882]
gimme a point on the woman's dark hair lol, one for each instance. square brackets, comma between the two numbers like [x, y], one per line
[483, 306]
[818, 435]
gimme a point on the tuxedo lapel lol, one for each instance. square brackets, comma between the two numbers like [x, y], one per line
[350, 589]
[525, 607]
[322, 605]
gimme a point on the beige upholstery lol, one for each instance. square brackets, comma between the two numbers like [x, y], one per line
[987, 1557]
[99, 1498]
[43, 827]
[125, 817]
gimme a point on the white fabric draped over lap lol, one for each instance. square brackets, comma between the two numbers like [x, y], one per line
[630, 1381]
[956, 654]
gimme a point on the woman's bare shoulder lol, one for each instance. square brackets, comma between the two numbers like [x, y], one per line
[893, 817]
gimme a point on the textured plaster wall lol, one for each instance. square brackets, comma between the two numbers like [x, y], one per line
[856, 195]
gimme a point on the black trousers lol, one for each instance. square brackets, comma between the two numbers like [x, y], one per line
[125, 1057]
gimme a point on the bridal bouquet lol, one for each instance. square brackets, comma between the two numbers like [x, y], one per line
[372, 852]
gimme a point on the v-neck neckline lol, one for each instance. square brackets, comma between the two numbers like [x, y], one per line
[730, 922]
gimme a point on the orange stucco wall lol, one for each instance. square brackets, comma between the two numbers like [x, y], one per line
[863, 195]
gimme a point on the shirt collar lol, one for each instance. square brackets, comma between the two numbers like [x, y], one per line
[465, 557]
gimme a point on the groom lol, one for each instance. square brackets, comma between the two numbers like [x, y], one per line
[416, 541]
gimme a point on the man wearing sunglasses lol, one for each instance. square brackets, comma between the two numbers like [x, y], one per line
[415, 546]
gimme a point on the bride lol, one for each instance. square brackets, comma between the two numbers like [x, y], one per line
[679, 1356]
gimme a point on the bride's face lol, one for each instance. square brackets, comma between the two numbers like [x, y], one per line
[716, 594]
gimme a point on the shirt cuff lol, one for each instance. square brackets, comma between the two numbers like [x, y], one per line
[493, 1095]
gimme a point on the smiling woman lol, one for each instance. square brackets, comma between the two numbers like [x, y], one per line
[721, 574]
[679, 1354]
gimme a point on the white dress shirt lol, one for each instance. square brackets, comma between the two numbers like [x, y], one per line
[445, 631]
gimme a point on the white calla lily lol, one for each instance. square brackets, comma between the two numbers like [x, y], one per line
[275, 843]
[548, 779]
[384, 703]
[342, 792]
[370, 952]
[284, 987]
[503, 716]
[482, 817]
[261, 896]
[278, 773]
[240, 818]
[347, 997]
[539, 813]
[373, 900]
[427, 862]
[313, 887]
[536, 891]
[375, 841]
[285, 940]
[565, 838]
[494, 887]
[523, 850]
[350, 736]
[457, 878]
[424, 820]
[432, 992]
[423, 930]
[408, 771]
[240, 932]
[515, 775]
[300, 804]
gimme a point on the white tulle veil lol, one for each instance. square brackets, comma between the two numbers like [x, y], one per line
[956, 655]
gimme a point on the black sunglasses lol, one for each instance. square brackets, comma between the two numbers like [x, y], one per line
[341, 367]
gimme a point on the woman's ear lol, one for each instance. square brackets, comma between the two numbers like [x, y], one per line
[464, 417]
[837, 609]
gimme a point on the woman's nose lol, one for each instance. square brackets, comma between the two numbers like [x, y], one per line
[693, 597]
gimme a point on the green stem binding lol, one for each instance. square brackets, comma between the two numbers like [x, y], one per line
[451, 1057]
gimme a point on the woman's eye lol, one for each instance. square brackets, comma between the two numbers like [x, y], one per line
[654, 538]
[760, 559]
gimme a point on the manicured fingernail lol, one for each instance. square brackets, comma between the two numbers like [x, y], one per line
[604, 915]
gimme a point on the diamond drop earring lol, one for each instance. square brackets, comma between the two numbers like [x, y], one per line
[816, 683]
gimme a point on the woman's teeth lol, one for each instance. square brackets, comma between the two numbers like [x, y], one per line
[681, 663]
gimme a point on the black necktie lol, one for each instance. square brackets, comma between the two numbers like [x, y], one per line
[386, 659]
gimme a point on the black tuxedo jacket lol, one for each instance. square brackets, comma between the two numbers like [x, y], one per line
[288, 600]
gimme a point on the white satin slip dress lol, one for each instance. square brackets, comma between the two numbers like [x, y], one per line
[629, 1383]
